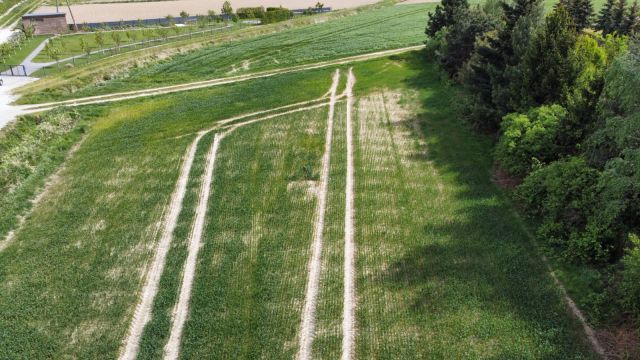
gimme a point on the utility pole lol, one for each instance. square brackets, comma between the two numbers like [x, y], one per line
[57, 10]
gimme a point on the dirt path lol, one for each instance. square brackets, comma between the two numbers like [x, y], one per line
[142, 313]
[308, 315]
[348, 318]
[172, 349]
[99, 99]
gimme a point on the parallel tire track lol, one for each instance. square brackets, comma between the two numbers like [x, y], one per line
[307, 327]
[348, 318]
[172, 349]
[142, 313]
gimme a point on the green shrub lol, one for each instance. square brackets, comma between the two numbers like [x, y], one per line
[529, 139]
[630, 284]
[276, 15]
[563, 196]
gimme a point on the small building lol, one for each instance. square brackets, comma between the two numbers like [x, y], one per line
[47, 23]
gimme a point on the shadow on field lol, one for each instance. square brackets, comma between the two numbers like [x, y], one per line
[476, 262]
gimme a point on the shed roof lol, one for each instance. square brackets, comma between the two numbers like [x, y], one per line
[41, 15]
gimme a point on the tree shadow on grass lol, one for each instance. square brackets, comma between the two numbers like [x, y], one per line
[482, 259]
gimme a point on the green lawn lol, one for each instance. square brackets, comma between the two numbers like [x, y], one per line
[27, 48]
[71, 43]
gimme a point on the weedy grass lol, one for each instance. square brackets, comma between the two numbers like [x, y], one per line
[31, 148]
[249, 288]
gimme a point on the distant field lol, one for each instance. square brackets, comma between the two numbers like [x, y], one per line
[105, 11]
[368, 31]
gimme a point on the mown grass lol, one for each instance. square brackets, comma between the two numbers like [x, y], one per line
[250, 283]
[27, 48]
[70, 44]
[445, 270]
[83, 248]
[367, 31]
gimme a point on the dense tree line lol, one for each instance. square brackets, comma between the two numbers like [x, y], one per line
[561, 93]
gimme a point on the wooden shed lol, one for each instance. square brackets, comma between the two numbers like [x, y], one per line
[47, 23]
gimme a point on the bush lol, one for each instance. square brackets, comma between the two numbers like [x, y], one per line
[563, 196]
[529, 139]
[630, 284]
[274, 15]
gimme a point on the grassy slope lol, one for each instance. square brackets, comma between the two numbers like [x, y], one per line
[372, 30]
[85, 244]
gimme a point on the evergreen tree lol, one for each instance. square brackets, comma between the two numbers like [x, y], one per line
[444, 15]
[632, 24]
[619, 17]
[605, 23]
[547, 69]
[581, 11]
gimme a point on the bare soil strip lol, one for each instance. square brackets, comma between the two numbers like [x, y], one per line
[209, 83]
[308, 315]
[348, 318]
[172, 349]
[143, 310]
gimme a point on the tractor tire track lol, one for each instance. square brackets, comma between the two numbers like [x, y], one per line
[142, 313]
[307, 328]
[101, 99]
[172, 349]
[349, 305]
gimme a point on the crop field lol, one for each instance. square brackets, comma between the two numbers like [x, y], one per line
[361, 198]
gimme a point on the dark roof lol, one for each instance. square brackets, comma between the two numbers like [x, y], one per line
[35, 15]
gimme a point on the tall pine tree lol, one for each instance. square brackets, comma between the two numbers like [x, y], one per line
[444, 15]
[581, 11]
[632, 24]
[547, 68]
[619, 17]
[605, 23]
